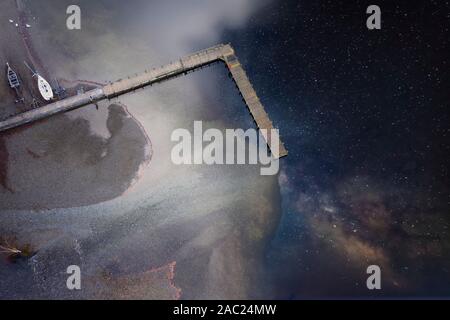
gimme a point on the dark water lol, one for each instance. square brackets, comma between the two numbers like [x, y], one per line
[79, 189]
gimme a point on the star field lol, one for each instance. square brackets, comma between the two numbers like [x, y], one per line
[365, 117]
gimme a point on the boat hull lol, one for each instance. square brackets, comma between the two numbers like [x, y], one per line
[45, 89]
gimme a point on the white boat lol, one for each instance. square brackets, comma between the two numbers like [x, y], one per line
[44, 87]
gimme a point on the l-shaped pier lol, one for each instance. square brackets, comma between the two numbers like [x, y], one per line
[186, 64]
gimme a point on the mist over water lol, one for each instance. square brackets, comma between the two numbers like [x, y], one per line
[97, 188]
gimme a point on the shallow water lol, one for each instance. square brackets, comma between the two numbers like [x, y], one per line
[84, 188]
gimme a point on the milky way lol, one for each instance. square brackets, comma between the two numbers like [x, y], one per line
[365, 117]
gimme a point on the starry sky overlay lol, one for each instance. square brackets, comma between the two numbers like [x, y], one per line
[365, 117]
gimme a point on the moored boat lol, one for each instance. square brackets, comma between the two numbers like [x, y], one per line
[13, 79]
[44, 87]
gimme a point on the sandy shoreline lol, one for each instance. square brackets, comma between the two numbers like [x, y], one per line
[181, 232]
[7, 183]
